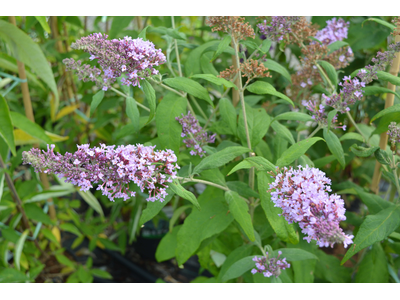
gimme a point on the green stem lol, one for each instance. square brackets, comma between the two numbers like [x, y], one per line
[315, 131]
[198, 107]
[356, 127]
[126, 96]
[326, 77]
[176, 49]
[396, 177]
[168, 88]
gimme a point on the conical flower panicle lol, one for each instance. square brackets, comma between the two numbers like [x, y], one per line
[114, 168]
[302, 195]
[134, 58]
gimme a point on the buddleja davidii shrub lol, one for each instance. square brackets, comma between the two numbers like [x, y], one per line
[230, 206]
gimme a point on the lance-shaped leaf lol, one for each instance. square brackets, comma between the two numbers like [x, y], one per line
[374, 228]
[296, 150]
[262, 88]
[151, 98]
[335, 146]
[6, 126]
[220, 158]
[176, 187]
[239, 209]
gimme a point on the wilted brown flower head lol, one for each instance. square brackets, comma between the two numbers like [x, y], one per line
[251, 69]
[232, 25]
[302, 30]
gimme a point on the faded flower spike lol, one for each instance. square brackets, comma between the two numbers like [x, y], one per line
[278, 28]
[394, 134]
[303, 196]
[196, 137]
[114, 168]
[134, 58]
[270, 266]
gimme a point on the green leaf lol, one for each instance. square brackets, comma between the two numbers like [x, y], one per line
[166, 247]
[265, 46]
[142, 34]
[36, 213]
[335, 146]
[362, 151]
[18, 249]
[234, 256]
[388, 77]
[282, 131]
[133, 113]
[220, 158]
[176, 187]
[176, 215]
[48, 234]
[330, 117]
[27, 51]
[118, 24]
[192, 65]
[281, 227]
[262, 88]
[372, 90]
[260, 163]
[153, 208]
[10, 275]
[213, 175]
[62, 259]
[328, 268]
[336, 46]
[96, 100]
[228, 113]
[293, 116]
[258, 122]
[295, 254]
[239, 209]
[84, 275]
[174, 33]
[134, 224]
[351, 136]
[222, 46]
[150, 94]
[70, 228]
[29, 127]
[239, 268]
[101, 273]
[92, 201]
[200, 225]
[383, 157]
[242, 189]
[374, 202]
[6, 126]
[375, 228]
[296, 150]
[216, 80]
[380, 21]
[274, 66]
[373, 267]
[43, 23]
[168, 129]
[392, 109]
[330, 71]
[189, 86]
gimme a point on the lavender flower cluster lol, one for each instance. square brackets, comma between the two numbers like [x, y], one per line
[394, 134]
[135, 58]
[196, 137]
[336, 30]
[115, 168]
[270, 266]
[303, 196]
[320, 115]
[278, 27]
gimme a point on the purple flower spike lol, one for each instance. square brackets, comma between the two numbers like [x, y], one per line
[196, 137]
[278, 28]
[134, 58]
[303, 196]
[336, 30]
[115, 168]
[270, 266]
